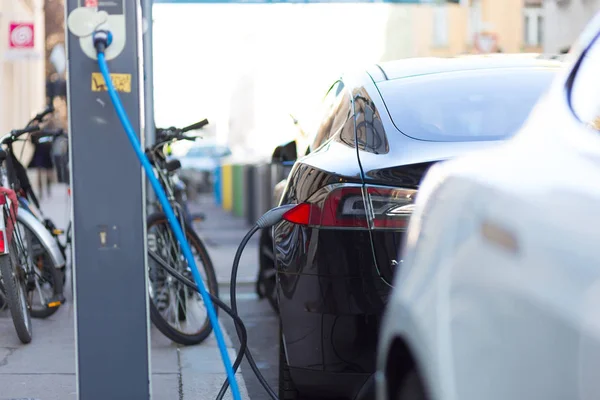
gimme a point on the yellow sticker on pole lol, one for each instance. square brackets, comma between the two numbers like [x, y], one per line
[121, 82]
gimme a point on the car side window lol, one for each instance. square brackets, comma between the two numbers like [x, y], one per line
[330, 123]
[370, 133]
[585, 92]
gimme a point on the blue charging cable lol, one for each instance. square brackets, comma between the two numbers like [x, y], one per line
[102, 39]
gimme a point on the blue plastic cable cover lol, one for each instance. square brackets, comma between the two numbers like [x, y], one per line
[173, 221]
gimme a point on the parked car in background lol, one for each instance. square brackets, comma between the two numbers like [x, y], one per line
[198, 165]
[282, 163]
[498, 296]
[336, 252]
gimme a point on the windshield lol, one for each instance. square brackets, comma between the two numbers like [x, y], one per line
[465, 106]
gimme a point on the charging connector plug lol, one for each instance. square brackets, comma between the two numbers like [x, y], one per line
[102, 39]
[273, 216]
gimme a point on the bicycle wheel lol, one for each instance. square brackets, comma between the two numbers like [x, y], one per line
[45, 283]
[176, 310]
[14, 285]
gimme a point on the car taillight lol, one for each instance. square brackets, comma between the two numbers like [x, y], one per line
[355, 207]
[2, 242]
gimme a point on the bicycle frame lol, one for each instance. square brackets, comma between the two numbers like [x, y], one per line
[166, 181]
[26, 216]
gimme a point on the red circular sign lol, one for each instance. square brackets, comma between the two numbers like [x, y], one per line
[486, 42]
[21, 35]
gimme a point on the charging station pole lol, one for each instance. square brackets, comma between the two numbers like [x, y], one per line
[150, 128]
[111, 296]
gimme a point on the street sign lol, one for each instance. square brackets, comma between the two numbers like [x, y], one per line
[21, 35]
[486, 42]
[21, 42]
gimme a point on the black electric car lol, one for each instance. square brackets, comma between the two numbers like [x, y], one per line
[336, 252]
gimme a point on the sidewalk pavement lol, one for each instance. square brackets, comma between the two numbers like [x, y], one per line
[222, 233]
[45, 368]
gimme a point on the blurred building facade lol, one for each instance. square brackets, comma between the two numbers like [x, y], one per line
[564, 20]
[472, 26]
[533, 26]
[21, 70]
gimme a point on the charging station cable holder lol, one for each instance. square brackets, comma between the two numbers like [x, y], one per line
[84, 21]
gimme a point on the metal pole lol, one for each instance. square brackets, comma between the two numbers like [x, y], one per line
[149, 123]
[108, 213]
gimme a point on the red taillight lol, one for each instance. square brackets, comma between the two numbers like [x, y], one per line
[2, 242]
[299, 215]
[355, 207]
[391, 208]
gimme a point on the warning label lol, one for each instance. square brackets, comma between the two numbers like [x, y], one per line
[121, 82]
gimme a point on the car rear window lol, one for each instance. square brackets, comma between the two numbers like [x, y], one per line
[467, 105]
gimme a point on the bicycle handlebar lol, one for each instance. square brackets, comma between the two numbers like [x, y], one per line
[197, 125]
[15, 133]
[164, 136]
[176, 133]
[39, 117]
[19, 132]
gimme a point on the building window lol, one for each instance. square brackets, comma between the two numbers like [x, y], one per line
[475, 25]
[540, 30]
[533, 33]
[440, 26]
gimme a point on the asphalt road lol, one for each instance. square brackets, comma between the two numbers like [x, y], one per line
[263, 338]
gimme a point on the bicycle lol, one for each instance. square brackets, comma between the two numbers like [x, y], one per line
[44, 260]
[21, 278]
[27, 196]
[177, 184]
[29, 202]
[172, 303]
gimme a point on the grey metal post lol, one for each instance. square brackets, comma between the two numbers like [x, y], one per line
[111, 297]
[149, 132]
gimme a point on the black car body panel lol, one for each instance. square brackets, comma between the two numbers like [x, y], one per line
[333, 281]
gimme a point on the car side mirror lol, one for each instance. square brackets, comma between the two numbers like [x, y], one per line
[285, 153]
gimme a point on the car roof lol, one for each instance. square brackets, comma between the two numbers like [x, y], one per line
[405, 68]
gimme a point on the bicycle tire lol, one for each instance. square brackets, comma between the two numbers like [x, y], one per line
[14, 289]
[52, 274]
[157, 319]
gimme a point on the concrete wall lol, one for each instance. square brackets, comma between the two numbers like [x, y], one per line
[22, 82]
[563, 24]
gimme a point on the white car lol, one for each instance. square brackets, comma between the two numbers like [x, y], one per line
[498, 297]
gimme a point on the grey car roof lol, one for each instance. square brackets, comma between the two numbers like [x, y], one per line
[405, 68]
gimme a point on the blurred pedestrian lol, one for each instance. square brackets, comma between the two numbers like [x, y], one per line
[42, 162]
